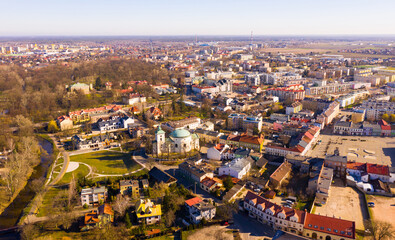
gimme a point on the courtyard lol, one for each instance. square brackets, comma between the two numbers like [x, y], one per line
[345, 203]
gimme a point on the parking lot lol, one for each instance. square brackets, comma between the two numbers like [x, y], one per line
[384, 209]
[346, 203]
[379, 150]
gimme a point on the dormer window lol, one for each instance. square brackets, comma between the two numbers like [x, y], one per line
[328, 229]
[315, 226]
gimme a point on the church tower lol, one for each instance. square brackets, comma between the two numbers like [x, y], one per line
[160, 140]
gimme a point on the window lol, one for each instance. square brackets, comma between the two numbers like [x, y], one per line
[328, 229]
[342, 232]
[322, 228]
[315, 226]
[310, 225]
[335, 230]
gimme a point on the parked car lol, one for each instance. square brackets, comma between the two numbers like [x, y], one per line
[370, 204]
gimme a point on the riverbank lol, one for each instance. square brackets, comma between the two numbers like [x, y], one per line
[12, 211]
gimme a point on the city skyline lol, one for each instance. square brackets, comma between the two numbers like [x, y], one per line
[132, 18]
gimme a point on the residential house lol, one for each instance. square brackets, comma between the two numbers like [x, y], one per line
[217, 152]
[98, 218]
[209, 184]
[280, 174]
[138, 131]
[133, 98]
[199, 209]
[154, 113]
[294, 108]
[93, 196]
[237, 168]
[148, 211]
[129, 187]
[64, 123]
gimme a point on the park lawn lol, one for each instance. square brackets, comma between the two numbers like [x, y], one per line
[46, 205]
[59, 161]
[80, 172]
[108, 162]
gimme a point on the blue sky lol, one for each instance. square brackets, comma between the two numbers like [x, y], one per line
[202, 17]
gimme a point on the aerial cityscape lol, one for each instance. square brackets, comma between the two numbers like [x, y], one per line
[186, 120]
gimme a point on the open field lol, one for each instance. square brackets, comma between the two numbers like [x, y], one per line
[209, 233]
[346, 203]
[107, 162]
[379, 150]
[384, 209]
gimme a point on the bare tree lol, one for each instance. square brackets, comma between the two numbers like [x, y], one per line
[71, 192]
[121, 204]
[169, 218]
[380, 230]
[28, 231]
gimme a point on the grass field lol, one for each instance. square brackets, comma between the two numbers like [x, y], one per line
[107, 162]
[46, 206]
[81, 171]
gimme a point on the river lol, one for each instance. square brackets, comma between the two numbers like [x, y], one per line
[12, 213]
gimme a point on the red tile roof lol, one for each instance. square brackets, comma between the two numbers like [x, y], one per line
[356, 166]
[335, 226]
[276, 209]
[377, 169]
[193, 201]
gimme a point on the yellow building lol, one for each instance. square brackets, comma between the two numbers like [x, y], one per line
[129, 187]
[148, 211]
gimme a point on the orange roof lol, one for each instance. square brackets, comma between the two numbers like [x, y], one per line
[193, 201]
[251, 139]
[91, 217]
[335, 226]
[106, 209]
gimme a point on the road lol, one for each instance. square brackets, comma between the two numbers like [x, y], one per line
[250, 228]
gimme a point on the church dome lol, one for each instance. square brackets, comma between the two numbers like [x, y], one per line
[180, 133]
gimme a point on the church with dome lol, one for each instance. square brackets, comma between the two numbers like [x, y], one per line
[179, 141]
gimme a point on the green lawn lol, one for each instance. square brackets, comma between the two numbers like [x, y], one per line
[46, 206]
[60, 160]
[108, 162]
[81, 171]
[186, 234]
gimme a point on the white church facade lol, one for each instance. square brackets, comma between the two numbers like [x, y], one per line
[179, 141]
